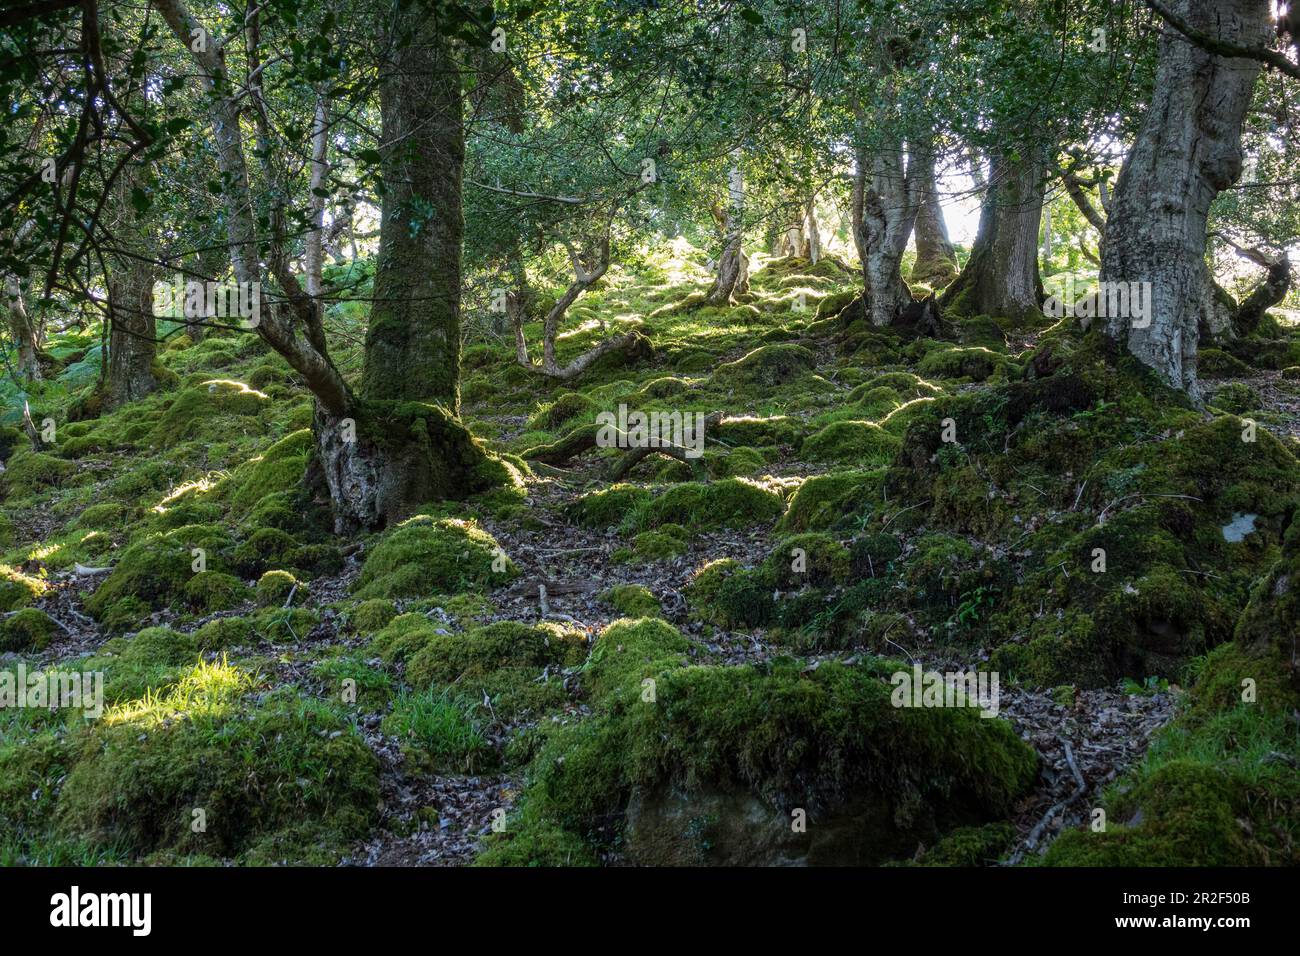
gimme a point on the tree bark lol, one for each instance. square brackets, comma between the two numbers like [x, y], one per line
[132, 342]
[1188, 150]
[936, 260]
[888, 198]
[1001, 277]
[23, 330]
[733, 269]
[413, 339]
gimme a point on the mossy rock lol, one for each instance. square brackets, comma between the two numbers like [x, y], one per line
[252, 771]
[756, 431]
[975, 363]
[863, 443]
[501, 661]
[372, 616]
[767, 366]
[274, 588]
[564, 409]
[211, 591]
[424, 556]
[279, 469]
[195, 411]
[29, 629]
[28, 472]
[824, 501]
[156, 569]
[607, 507]
[629, 650]
[781, 737]
[18, 589]
[1215, 363]
[735, 463]
[1235, 398]
[632, 600]
[730, 503]
[812, 558]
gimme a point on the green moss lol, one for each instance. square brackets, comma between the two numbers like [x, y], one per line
[975, 363]
[198, 412]
[160, 647]
[274, 588]
[811, 558]
[628, 651]
[142, 772]
[971, 846]
[123, 615]
[608, 507]
[730, 503]
[533, 843]
[424, 556]
[850, 441]
[823, 739]
[736, 462]
[18, 589]
[501, 661]
[1215, 363]
[824, 501]
[767, 366]
[759, 431]
[28, 472]
[1236, 398]
[156, 569]
[214, 591]
[28, 629]
[371, 616]
[632, 600]
[280, 468]
[224, 632]
[568, 406]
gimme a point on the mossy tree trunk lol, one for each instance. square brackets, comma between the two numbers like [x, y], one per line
[132, 343]
[413, 338]
[1188, 150]
[397, 443]
[1001, 277]
[936, 260]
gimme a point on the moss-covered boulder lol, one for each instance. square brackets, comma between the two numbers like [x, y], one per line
[862, 443]
[767, 366]
[424, 556]
[29, 629]
[156, 569]
[730, 503]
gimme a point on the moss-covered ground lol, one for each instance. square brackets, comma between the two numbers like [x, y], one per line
[587, 669]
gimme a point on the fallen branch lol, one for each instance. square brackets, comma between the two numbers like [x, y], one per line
[1031, 841]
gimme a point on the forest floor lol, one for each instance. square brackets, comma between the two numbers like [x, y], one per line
[96, 527]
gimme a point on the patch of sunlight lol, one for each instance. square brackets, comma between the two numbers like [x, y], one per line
[210, 690]
[44, 552]
[915, 401]
[197, 486]
[36, 586]
[240, 387]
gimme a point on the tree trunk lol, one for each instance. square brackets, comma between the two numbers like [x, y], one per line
[413, 339]
[384, 452]
[889, 198]
[733, 269]
[936, 260]
[1188, 150]
[1002, 277]
[132, 343]
[23, 330]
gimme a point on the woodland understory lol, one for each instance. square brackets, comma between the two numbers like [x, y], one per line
[367, 585]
